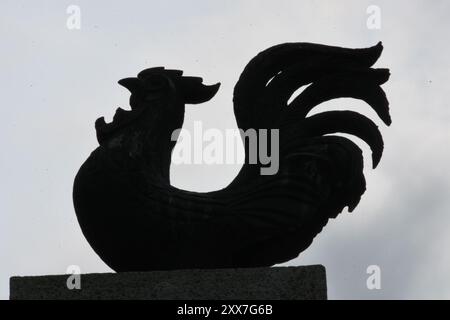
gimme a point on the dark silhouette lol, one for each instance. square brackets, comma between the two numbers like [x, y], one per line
[136, 221]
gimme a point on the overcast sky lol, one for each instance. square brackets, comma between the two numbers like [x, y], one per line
[55, 82]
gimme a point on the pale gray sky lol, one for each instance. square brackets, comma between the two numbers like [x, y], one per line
[55, 82]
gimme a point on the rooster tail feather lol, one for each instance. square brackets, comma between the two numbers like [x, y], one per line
[262, 94]
[269, 79]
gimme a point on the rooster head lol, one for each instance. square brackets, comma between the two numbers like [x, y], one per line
[149, 90]
[160, 83]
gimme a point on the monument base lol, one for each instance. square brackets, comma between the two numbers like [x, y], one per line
[277, 283]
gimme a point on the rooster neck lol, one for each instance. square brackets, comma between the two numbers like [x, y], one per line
[141, 139]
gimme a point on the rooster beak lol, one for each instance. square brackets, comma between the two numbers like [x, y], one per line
[194, 91]
[132, 84]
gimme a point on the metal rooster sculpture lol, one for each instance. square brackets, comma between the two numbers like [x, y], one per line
[136, 221]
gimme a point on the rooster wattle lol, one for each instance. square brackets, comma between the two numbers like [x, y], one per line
[136, 221]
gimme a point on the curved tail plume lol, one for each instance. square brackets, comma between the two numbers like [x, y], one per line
[269, 80]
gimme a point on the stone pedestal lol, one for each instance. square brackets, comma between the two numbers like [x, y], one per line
[291, 283]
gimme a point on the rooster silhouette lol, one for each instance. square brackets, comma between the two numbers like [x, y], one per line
[136, 221]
